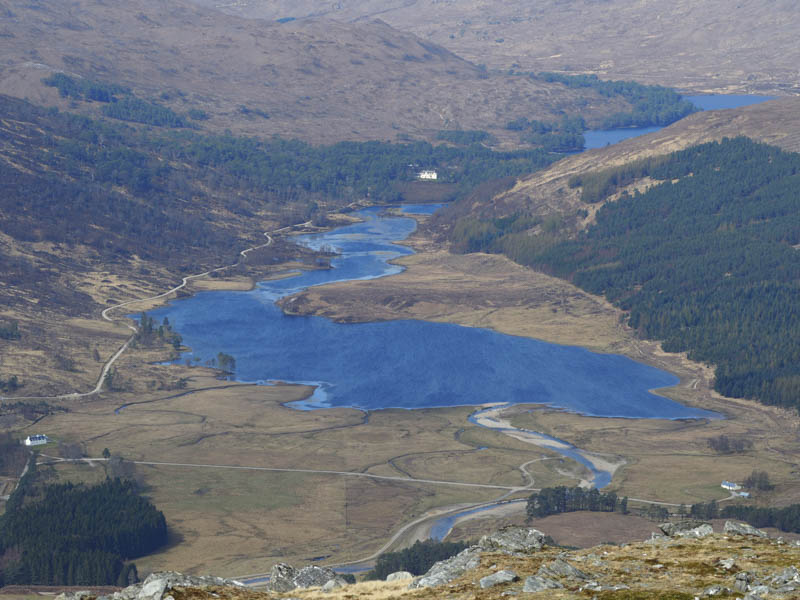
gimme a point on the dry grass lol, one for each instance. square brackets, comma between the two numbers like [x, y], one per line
[671, 460]
[476, 290]
[231, 521]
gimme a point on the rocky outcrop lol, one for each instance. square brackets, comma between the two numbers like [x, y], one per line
[399, 576]
[285, 578]
[734, 528]
[561, 568]
[281, 578]
[536, 583]
[513, 540]
[693, 529]
[446, 571]
[504, 576]
[157, 587]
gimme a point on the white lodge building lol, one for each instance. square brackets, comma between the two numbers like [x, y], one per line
[428, 174]
[36, 439]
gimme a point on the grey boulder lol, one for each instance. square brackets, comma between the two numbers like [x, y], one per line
[334, 584]
[734, 528]
[281, 578]
[561, 568]
[513, 540]
[399, 576]
[285, 578]
[536, 583]
[446, 571]
[494, 579]
[686, 528]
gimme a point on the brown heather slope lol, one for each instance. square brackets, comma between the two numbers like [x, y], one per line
[318, 80]
[749, 45]
[546, 192]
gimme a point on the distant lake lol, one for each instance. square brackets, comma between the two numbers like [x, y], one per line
[405, 364]
[603, 137]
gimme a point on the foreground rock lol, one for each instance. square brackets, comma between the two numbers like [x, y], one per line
[157, 587]
[537, 583]
[494, 579]
[285, 578]
[515, 541]
[734, 528]
[446, 571]
[692, 529]
[561, 568]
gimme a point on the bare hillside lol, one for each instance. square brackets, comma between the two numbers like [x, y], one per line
[693, 44]
[319, 80]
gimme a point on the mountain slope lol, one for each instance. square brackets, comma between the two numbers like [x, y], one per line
[700, 45]
[318, 80]
[776, 122]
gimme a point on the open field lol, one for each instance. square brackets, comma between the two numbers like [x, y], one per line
[236, 521]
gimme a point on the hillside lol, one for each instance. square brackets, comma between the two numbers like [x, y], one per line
[706, 45]
[698, 245]
[318, 80]
[776, 122]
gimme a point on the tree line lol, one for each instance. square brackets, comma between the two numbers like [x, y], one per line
[125, 108]
[561, 499]
[651, 104]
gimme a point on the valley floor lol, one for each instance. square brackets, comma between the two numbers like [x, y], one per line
[292, 503]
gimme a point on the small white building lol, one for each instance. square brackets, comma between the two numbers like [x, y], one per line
[36, 440]
[730, 486]
[428, 175]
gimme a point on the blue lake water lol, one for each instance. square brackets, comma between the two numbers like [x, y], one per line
[404, 364]
[600, 138]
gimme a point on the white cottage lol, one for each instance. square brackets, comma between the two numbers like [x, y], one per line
[36, 440]
[730, 486]
[428, 175]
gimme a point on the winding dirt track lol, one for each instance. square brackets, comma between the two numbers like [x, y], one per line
[106, 312]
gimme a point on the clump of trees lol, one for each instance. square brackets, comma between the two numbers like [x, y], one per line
[9, 330]
[758, 480]
[13, 455]
[142, 111]
[79, 88]
[729, 445]
[78, 535]
[785, 518]
[651, 104]
[417, 559]
[226, 362]
[561, 499]
[463, 137]
[565, 135]
[150, 334]
[12, 384]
